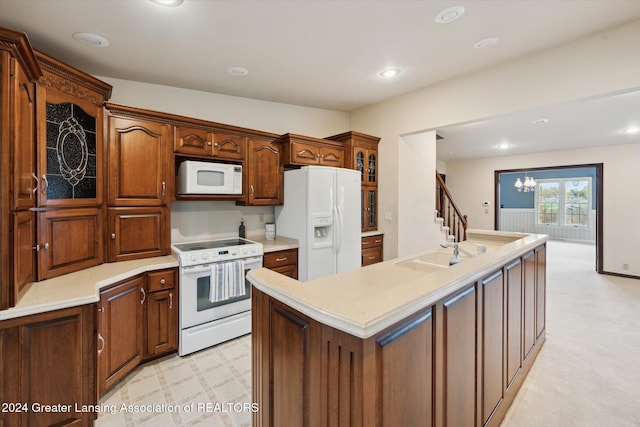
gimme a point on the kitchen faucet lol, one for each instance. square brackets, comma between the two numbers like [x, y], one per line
[456, 250]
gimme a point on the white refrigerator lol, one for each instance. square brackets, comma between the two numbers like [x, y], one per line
[322, 210]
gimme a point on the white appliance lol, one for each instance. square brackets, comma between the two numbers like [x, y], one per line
[209, 178]
[322, 210]
[204, 323]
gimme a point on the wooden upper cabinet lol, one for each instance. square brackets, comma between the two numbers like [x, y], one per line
[138, 232]
[305, 150]
[70, 136]
[208, 143]
[139, 162]
[265, 173]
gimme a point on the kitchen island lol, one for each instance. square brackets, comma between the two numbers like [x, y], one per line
[410, 341]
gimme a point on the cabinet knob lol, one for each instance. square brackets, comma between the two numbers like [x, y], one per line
[215, 144]
[163, 281]
[113, 236]
[209, 143]
[36, 248]
[45, 246]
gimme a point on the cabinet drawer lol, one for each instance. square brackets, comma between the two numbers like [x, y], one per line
[288, 270]
[227, 146]
[371, 255]
[162, 279]
[279, 258]
[372, 241]
[304, 154]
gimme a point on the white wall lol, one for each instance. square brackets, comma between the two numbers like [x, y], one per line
[417, 230]
[596, 65]
[203, 220]
[473, 181]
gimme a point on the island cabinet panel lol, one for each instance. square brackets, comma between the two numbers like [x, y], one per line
[529, 301]
[541, 291]
[459, 358]
[514, 320]
[49, 359]
[404, 356]
[491, 338]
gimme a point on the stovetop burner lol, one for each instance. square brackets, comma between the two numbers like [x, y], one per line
[205, 252]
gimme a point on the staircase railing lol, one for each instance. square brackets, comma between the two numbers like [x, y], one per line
[449, 212]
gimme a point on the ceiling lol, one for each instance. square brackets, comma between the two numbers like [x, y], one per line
[323, 54]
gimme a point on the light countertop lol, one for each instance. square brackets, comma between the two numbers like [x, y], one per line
[365, 301]
[81, 287]
[372, 233]
[280, 243]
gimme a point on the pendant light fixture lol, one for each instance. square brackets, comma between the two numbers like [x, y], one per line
[528, 185]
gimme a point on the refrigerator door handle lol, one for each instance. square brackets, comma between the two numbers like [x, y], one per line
[338, 225]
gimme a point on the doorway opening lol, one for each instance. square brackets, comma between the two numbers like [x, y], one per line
[564, 202]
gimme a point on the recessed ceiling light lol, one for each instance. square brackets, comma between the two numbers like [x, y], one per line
[91, 39]
[503, 145]
[390, 72]
[631, 130]
[238, 71]
[486, 43]
[539, 121]
[168, 3]
[449, 14]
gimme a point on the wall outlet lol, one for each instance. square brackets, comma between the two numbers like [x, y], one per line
[387, 216]
[625, 266]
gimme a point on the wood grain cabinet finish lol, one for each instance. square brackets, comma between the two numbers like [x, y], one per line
[265, 173]
[120, 333]
[137, 232]
[24, 256]
[284, 262]
[139, 162]
[541, 290]
[450, 364]
[162, 313]
[69, 240]
[49, 359]
[195, 141]
[304, 150]
[372, 249]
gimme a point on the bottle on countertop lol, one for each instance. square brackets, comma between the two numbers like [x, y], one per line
[241, 231]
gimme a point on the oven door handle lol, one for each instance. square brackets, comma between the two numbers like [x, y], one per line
[254, 262]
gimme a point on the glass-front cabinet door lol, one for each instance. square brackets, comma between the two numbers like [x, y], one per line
[69, 151]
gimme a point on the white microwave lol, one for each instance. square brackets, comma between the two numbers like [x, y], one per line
[209, 178]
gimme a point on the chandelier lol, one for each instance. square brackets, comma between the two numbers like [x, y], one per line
[529, 184]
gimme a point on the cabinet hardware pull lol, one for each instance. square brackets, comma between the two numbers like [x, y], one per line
[37, 248]
[215, 144]
[252, 191]
[37, 183]
[170, 300]
[371, 257]
[45, 183]
[113, 236]
[366, 242]
[45, 246]
[103, 343]
[164, 188]
[378, 241]
[162, 281]
[144, 295]
[209, 143]
[100, 309]
[281, 259]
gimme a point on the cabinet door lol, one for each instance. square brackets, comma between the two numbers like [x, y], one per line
[492, 345]
[193, 141]
[227, 146]
[70, 240]
[120, 331]
[265, 173]
[541, 281]
[332, 157]
[24, 250]
[514, 321]
[162, 322]
[371, 256]
[70, 147]
[529, 304]
[359, 161]
[304, 154]
[370, 206]
[372, 167]
[138, 162]
[25, 182]
[138, 233]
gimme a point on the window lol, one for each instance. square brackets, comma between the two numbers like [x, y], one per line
[564, 202]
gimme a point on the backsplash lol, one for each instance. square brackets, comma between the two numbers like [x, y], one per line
[203, 220]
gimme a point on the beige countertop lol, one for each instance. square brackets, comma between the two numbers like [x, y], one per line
[280, 243]
[372, 233]
[81, 287]
[365, 301]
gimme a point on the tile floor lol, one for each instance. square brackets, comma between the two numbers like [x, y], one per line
[208, 388]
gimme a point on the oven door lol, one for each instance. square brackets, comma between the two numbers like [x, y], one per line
[195, 306]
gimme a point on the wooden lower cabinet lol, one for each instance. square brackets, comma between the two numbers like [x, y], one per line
[449, 364]
[372, 249]
[137, 321]
[284, 262]
[120, 331]
[48, 359]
